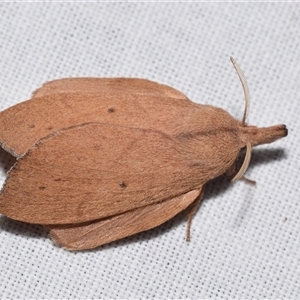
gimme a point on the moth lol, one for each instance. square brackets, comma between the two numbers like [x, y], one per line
[98, 160]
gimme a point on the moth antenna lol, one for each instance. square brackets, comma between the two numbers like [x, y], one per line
[245, 164]
[245, 87]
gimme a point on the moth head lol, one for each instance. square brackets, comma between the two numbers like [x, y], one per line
[251, 135]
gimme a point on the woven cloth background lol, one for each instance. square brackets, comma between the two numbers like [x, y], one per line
[245, 240]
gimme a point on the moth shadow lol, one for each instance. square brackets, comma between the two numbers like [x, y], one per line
[22, 228]
[262, 156]
[7, 160]
[223, 183]
[219, 185]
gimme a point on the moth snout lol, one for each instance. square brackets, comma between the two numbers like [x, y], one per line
[284, 130]
[257, 136]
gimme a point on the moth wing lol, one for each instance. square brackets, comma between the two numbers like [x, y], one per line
[94, 171]
[100, 232]
[125, 102]
[118, 86]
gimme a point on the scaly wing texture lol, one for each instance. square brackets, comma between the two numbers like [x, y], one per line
[116, 86]
[124, 102]
[100, 232]
[94, 171]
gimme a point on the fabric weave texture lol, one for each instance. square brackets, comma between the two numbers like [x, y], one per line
[245, 240]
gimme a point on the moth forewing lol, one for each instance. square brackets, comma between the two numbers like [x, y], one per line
[115, 86]
[63, 180]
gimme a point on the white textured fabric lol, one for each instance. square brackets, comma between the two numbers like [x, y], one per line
[245, 240]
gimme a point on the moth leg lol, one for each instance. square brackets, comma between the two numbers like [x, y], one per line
[247, 180]
[192, 210]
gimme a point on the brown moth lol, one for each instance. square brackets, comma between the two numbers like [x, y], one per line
[102, 159]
